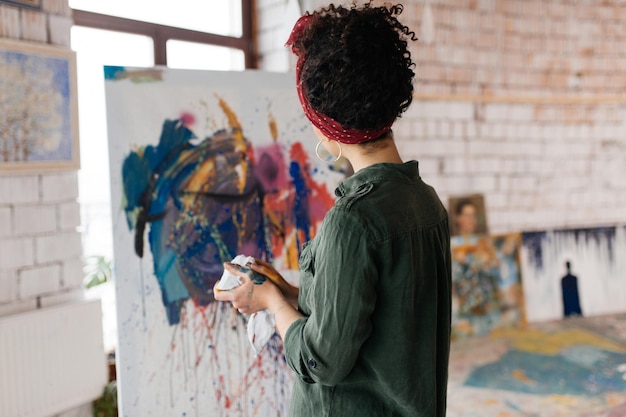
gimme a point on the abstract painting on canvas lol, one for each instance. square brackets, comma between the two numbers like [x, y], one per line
[205, 166]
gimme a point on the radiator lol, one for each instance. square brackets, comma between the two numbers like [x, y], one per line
[51, 359]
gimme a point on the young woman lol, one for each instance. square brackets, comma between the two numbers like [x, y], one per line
[368, 331]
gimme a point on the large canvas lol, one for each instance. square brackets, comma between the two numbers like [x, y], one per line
[205, 166]
[486, 285]
[596, 282]
[38, 104]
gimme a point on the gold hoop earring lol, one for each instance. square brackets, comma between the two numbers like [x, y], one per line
[317, 153]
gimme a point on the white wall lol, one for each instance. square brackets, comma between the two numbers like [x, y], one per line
[40, 246]
[549, 150]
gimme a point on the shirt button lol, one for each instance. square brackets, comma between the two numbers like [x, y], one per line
[312, 364]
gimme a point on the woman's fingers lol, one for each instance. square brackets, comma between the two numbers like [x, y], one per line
[221, 295]
[234, 269]
[267, 270]
[262, 263]
[250, 297]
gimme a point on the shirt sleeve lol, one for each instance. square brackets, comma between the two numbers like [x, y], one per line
[323, 347]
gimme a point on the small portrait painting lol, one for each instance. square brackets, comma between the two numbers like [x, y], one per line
[467, 217]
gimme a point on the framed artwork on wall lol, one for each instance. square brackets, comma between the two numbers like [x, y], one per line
[468, 217]
[39, 124]
[31, 4]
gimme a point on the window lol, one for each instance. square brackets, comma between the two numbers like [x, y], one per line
[219, 17]
[192, 55]
[225, 23]
[189, 34]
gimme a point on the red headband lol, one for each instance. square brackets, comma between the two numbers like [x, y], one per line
[331, 128]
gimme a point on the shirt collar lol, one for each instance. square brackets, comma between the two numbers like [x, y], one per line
[405, 172]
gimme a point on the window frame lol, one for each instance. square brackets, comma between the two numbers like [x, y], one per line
[160, 34]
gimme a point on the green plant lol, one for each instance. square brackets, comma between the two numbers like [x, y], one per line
[98, 270]
[106, 406]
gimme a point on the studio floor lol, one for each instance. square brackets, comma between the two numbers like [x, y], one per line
[570, 368]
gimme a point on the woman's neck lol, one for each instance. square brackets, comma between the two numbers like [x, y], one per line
[360, 158]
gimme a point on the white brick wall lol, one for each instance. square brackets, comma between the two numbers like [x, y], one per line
[72, 273]
[58, 247]
[34, 26]
[40, 248]
[39, 280]
[10, 25]
[539, 164]
[6, 224]
[59, 187]
[69, 216]
[18, 190]
[16, 253]
[32, 220]
[8, 287]
[534, 174]
[59, 28]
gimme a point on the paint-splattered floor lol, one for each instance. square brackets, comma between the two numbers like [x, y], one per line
[569, 368]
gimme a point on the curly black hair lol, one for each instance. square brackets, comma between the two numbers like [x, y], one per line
[357, 69]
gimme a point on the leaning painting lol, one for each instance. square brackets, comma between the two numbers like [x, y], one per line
[574, 272]
[38, 127]
[486, 285]
[205, 166]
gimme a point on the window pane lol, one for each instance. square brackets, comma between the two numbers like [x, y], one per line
[191, 55]
[95, 48]
[222, 17]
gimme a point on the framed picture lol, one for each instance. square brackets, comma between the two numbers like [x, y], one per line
[31, 4]
[467, 216]
[38, 104]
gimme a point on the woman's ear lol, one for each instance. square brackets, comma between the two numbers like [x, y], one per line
[320, 136]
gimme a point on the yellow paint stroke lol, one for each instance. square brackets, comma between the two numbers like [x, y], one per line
[140, 76]
[233, 121]
[240, 219]
[292, 253]
[273, 127]
[200, 180]
[240, 143]
[537, 341]
[613, 399]
[565, 399]
[521, 376]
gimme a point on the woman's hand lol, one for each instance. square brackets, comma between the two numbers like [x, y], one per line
[289, 291]
[249, 297]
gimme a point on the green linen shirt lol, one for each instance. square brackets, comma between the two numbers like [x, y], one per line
[375, 292]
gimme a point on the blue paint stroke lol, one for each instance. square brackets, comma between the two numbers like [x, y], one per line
[596, 236]
[300, 208]
[201, 211]
[534, 241]
[148, 75]
[562, 374]
[113, 72]
[192, 232]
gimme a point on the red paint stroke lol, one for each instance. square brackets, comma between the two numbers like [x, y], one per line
[187, 119]
[321, 200]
